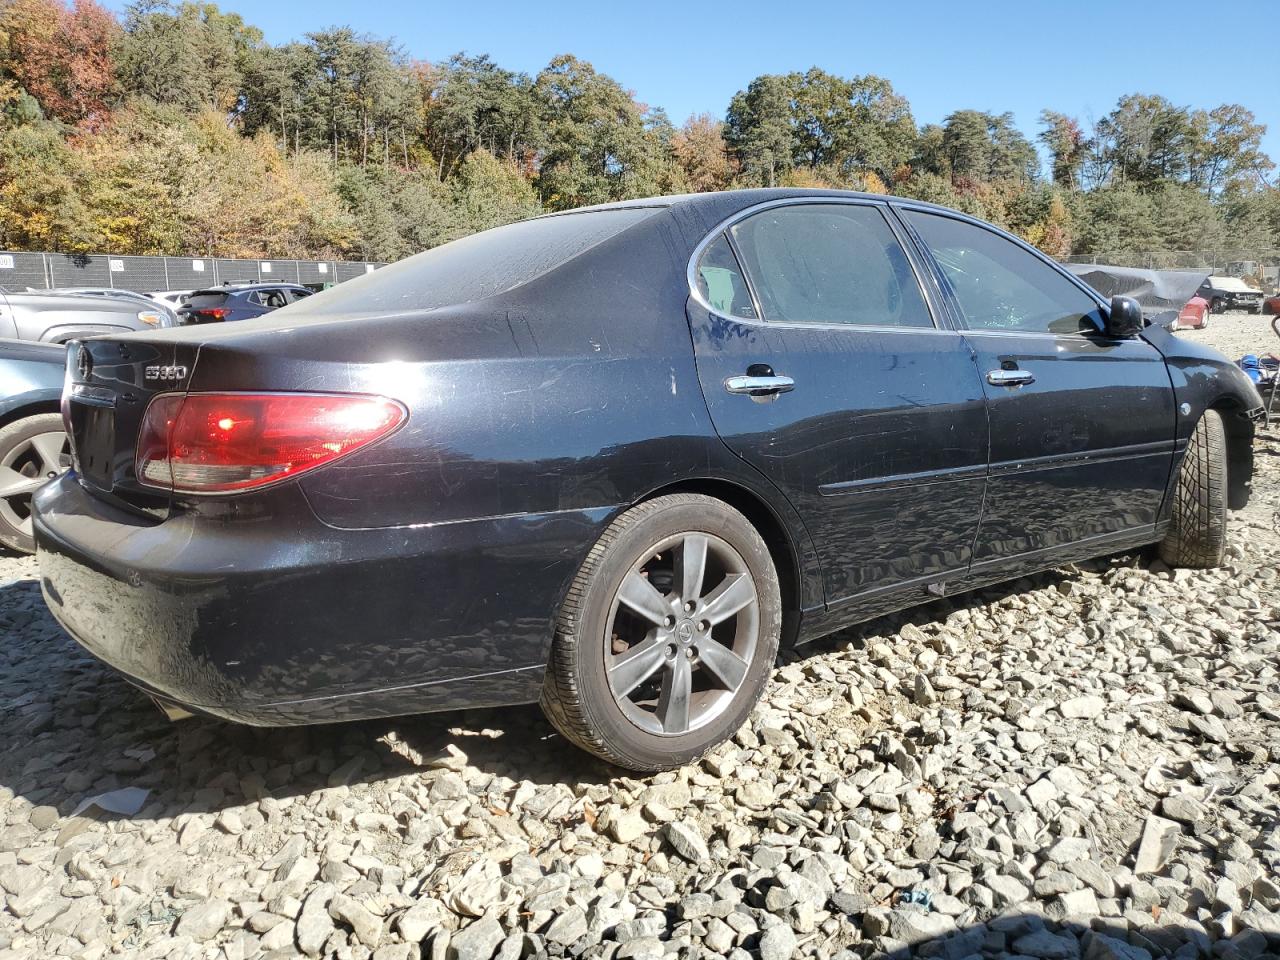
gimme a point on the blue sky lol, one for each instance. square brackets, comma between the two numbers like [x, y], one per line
[1076, 57]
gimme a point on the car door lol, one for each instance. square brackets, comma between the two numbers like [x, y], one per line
[1082, 425]
[823, 367]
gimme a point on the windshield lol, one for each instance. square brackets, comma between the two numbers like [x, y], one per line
[481, 265]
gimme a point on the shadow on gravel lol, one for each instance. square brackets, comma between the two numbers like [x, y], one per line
[71, 728]
[1139, 936]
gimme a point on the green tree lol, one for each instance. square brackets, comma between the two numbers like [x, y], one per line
[597, 147]
[188, 55]
[1226, 150]
[41, 183]
[758, 129]
[489, 192]
[1065, 141]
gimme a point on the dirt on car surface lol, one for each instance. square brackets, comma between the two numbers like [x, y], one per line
[1082, 763]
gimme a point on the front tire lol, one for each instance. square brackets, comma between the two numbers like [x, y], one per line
[667, 636]
[31, 453]
[1197, 534]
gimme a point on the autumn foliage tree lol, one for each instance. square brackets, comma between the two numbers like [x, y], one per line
[176, 128]
[61, 56]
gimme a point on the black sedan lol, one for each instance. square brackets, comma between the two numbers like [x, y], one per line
[611, 459]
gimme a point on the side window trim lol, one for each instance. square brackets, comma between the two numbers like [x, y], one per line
[953, 303]
[746, 277]
[891, 220]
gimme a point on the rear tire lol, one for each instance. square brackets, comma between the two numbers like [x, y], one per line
[687, 560]
[1197, 534]
[31, 451]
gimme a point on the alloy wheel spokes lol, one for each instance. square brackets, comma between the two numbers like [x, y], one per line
[643, 597]
[727, 599]
[48, 447]
[729, 668]
[692, 560]
[15, 484]
[682, 634]
[677, 689]
[637, 665]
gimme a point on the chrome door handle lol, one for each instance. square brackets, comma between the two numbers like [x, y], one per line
[759, 386]
[1010, 378]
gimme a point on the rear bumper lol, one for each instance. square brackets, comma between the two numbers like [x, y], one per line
[267, 616]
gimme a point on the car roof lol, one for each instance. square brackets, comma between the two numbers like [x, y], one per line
[746, 198]
[248, 287]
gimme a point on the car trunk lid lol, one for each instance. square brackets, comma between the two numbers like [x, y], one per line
[110, 382]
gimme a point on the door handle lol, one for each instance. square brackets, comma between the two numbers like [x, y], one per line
[1010, 378]
[759, 386]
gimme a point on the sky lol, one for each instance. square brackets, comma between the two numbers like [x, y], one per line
[1077, 58]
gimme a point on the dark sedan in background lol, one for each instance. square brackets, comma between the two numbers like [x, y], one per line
[611, 459]
[238, 301]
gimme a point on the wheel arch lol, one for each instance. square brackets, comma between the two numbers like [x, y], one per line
[761, 515]
[29, 408]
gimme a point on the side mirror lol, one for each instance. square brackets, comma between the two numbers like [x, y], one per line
[1124, 321]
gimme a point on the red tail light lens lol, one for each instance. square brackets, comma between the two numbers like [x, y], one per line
[206, 314]
[226, 442]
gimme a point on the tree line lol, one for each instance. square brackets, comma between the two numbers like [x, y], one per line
[176, 129]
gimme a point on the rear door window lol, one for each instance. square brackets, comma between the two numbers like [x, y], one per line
[832, 264]
[721, 283]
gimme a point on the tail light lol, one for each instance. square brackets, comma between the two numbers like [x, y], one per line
[207, 314]
[229, 442]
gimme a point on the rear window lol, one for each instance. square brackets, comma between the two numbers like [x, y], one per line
[481, 265]
[211, 298]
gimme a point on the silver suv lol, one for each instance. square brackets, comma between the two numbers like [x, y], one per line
[56, 316]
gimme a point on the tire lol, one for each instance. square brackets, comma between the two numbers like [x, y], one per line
[602, 644]
[1215, 306]
[31, 450]
[1197, 534]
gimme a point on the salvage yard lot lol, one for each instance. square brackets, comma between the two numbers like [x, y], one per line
[1082, 763]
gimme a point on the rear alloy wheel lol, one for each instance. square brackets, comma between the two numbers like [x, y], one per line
[667, 636]
[32, 452]
[1197, 534]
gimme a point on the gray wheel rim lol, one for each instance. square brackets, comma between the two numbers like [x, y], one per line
[675, 658]
[24, 468]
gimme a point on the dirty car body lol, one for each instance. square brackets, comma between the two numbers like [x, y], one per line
[540, 379]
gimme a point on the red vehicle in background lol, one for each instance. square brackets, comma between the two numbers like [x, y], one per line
[1195, 315]
[1271, 306]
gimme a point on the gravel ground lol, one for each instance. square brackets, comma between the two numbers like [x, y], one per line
[1080, 764]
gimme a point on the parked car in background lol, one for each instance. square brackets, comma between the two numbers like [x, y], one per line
[239, 302]
[57, 317]
[112, 292]
[1194, 316]
[1271, 306]
[1230, 293]
[613, 458]
[33, 441]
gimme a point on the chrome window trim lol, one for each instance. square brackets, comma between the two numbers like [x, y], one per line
[882, 206]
